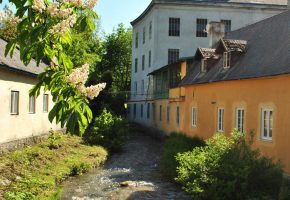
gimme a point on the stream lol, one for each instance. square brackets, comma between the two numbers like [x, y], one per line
[136, 167]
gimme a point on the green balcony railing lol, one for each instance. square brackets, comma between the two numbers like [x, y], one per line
[161, 95]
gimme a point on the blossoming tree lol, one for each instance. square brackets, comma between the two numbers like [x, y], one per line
[43, 30]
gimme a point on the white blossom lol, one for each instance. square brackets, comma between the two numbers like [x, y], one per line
[64, 25]
[79, 75]
[94, 91]
[38, 5]
[54, 10]
[91, 3]
[76, 3]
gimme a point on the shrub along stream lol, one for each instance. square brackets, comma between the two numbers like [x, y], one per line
[36, 172]
[223, 168]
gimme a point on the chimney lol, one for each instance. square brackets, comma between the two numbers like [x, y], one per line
[216, 31]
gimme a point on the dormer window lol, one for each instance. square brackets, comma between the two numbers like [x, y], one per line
[227, 60]
[203, 66]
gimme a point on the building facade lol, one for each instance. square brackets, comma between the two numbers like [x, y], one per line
[170, 30]
[241, 83]
[21, 116]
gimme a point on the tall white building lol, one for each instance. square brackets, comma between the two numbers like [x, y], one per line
[169, 30]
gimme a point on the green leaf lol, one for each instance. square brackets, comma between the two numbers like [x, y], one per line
[89, 113]
[10, 48]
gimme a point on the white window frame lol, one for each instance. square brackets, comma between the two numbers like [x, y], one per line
[220, 120]
[227, 60]
[31, 106]
[150, 30]
[178, 115]
[193, 117]
[142, 87]
[137, 40]
[203, 66]
[45, 103]
[14, 103]
[141, 110]
[267, 122]
[148, 111]
[160, 113]
[240, 120]
[168, 114]
[135, 88]
[144, 35]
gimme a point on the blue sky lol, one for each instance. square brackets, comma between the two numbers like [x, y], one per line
[113, 12]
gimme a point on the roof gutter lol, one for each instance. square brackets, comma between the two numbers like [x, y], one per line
[19, 71]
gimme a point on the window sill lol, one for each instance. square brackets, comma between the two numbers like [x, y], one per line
[269, 140]
[193, 126]
[14, 114]
[32, 113]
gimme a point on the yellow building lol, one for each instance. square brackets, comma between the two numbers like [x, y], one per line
[21, 117]
[243, 82]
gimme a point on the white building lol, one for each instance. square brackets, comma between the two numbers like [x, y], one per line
[172, 29]
[21, 117]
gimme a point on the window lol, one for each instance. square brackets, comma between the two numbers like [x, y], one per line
[14, 105]
[160, 113]
[154, 111]
[203, 66]
[150, 30]
[267, 124]
[129, 110]
[201, 27]
[174, 27]
[136, 40]
[134, 110]
[148, 110]
[220, 123]
[227, 59]
[32, 105]
[135, 88]
[240, 116]
[177, 115]
[149, 59]
[173, 55]
[142, 87]
[136, 65]
[168, 114]
[228, 25]
[193, 117]
[141, 113]
[143, 62]
[45, 102]
[144, 35]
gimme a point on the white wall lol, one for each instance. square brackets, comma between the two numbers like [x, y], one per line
[13, 127]
[187, 42]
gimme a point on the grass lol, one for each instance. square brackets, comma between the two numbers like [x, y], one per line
[36, 172]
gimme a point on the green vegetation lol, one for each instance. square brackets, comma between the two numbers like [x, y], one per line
[36, 172]
[115, 70]
[227, 168]
[108, 130]
[176, 143]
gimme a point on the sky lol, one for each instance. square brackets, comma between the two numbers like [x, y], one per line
[113, 12]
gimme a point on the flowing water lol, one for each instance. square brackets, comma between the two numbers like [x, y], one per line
[136, 168]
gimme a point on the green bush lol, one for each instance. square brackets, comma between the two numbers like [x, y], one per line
[108, 130]
[176, 143]
[227, 168]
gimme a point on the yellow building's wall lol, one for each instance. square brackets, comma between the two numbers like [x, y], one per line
[252, 95]
[13, 127]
